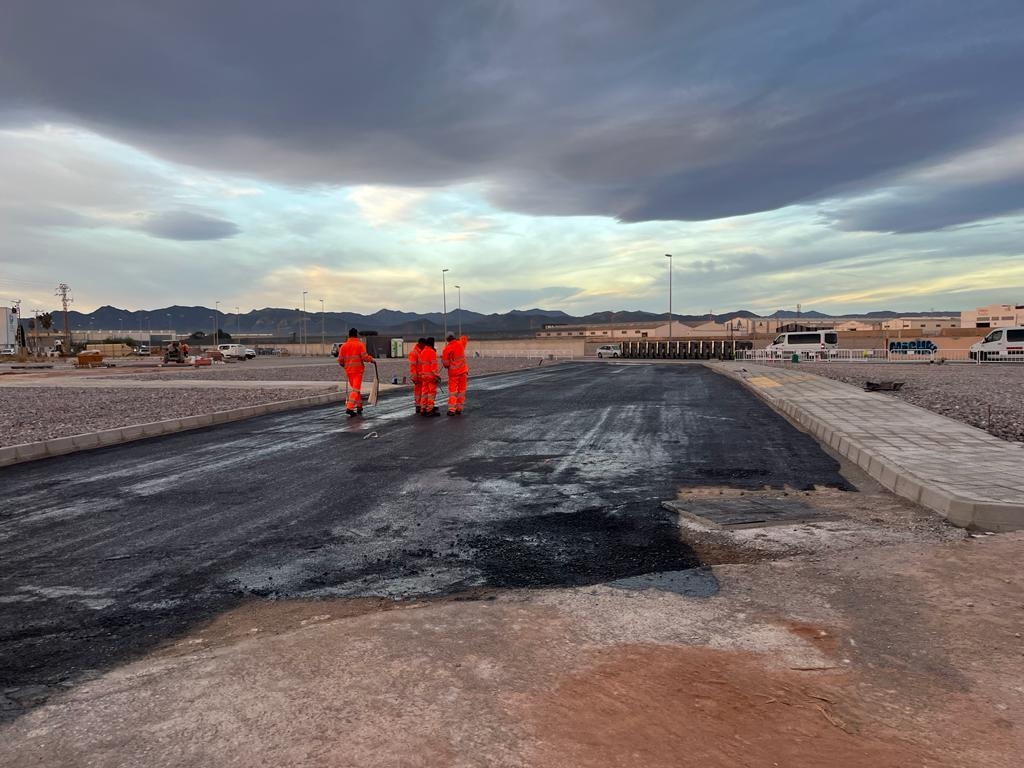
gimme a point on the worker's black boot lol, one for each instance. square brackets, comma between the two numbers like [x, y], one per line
[350, 412]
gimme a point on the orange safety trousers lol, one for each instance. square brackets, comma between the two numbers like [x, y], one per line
[428, 382]
[457, 391]
[417, 379]
[355, 382]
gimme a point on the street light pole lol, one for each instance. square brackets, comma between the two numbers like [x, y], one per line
[238, 324]
[460, 310]
[669, 257]
[216, 324]
[444, 303]
[322, 317]
[305, 332]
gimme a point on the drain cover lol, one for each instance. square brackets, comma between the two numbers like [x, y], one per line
[746, 511]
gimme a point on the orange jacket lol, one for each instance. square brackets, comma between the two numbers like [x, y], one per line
[352, 354]
[428, 362]
[454, 356]
[414, 362]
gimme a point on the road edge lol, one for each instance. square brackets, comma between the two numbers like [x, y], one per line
[59, 446]
[959, 510]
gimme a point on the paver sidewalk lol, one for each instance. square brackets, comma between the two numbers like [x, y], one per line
[970, 477]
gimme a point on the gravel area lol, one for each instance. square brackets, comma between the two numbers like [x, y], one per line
[31, 414]
[990, 397]
[314, 371]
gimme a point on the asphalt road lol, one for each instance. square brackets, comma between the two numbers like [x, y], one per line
[554, 477]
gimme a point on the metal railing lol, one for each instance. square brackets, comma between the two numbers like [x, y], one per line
[545, 354]
[875, 356]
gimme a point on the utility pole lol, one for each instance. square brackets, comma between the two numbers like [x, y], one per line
[669, 257]
[62, 291]
[322, 319]
[305, 329]
[238, 325]
[444, 304]
[35, 326]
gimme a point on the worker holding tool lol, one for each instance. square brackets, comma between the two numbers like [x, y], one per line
[352, 356]
[453, 357]
[429, 378]
[414, 373]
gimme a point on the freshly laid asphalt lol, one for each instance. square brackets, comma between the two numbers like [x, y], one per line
[554, 477]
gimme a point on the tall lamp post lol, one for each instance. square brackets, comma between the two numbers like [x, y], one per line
[238, 323]
[669, 257]
[305, 332]
[459, 287]
[322, 318]
[216, 324]
[444, 304]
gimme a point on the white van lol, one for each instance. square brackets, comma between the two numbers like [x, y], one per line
[804, 343]
[1000, 344]
[236, 351]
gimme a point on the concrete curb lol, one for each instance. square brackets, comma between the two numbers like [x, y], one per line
[960, 510]
[17, 454]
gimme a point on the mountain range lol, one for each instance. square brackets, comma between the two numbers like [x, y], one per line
[287, 322]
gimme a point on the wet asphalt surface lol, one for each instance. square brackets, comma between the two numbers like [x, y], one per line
[553, 478]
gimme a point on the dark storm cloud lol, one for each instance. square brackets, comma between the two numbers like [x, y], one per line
[925, 209]
[641, 110]
[187, 225]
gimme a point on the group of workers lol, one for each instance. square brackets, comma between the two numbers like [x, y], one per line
[423, 371]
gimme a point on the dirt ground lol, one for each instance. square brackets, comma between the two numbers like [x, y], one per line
[888, 655]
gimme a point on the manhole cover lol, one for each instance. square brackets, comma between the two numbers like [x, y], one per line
[746, 511]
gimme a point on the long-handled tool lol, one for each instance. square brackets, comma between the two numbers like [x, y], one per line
[375, 389]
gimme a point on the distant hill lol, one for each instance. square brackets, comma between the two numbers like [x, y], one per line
[285, 323]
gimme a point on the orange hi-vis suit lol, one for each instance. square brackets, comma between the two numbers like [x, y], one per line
[453, 356]
[428, 378]
[353, 356]
[414, 374]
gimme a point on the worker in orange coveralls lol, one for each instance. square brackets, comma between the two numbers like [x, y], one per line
[414, 373]
[428, 379]
[453, 357]
[352, 356]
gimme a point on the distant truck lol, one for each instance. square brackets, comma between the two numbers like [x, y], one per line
[236, 351]
[1000, 344]
[806, 343]
[9, 329]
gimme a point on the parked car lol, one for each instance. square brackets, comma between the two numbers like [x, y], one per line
[334, 348]
[236, 351]
[8, 351]
[1000, 344]
[609, 350]
[250, 353]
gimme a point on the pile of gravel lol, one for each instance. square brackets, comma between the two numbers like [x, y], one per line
[990, 396]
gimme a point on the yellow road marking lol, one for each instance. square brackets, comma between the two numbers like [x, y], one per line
[764, 382]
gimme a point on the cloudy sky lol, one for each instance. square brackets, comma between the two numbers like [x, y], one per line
[847, 156]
